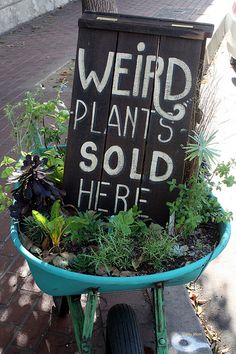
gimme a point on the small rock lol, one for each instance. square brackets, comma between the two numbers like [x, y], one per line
[202, 301]
[101, 271]
[184, 248]
[188, 263]
[191, 254]
[35, 250]
[68, 256]
[115, 272]
[60, 262]
[49, 258]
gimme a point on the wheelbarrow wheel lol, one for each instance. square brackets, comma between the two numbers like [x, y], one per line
[61, 305]
[122, 334]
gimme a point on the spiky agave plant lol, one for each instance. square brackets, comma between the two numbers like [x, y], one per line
[34, 189]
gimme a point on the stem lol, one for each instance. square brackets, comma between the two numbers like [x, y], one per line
[44, 137]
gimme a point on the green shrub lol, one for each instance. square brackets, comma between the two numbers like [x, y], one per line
[157, 247]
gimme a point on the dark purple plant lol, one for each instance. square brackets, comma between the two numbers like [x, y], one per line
[34, 190]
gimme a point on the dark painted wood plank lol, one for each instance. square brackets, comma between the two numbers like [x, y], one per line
[147, 25]
[175, 84]
[128, 122]
[89, 112]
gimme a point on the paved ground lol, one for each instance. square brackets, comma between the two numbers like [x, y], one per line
[28, 55]
[217, 283]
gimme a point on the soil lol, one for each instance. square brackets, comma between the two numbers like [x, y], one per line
[198, 245]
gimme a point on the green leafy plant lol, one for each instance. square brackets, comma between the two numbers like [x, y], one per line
[157, 247]
[223, 171]
[8, 166]
[84, 227]
[31, 229]
[127, 222]
[55, 159]
[195, 203]
[123, 242]
[126, 243]
[7, 163]
[83, 263]
[114, 250]
[5, 200]
[36, 123]
[55, 226]
[202, 148]
[113, 240]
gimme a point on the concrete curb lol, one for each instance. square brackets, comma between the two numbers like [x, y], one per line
[14, 13]
[214, 43]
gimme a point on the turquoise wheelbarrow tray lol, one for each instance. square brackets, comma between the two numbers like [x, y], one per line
[59, 282]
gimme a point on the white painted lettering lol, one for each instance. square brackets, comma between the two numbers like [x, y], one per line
[156, 97]
[120, 160]
[103, 195]
[132, 119]
[77, 119]
[92, 76]
[139, 200]
[91, 157]
[97, 195]
[138, 69]
[92, 129]
[120, 71]
[144, 200]
[170, 132]
[147, 121]
[169, 163]
[115, 113]
[148, 74]
[121, 197]
[134, 165]
[82, 192]
[169, 79]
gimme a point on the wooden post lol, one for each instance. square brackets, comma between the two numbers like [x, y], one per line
[99, 5]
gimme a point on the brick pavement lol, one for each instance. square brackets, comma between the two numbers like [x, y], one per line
[28, 322]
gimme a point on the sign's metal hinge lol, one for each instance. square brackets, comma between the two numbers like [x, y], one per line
[112, 19]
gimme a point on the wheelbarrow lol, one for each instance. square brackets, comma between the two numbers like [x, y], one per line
[120, 339]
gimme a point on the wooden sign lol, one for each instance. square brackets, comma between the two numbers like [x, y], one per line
[132, 104]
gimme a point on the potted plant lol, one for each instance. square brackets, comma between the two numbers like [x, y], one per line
[62, 240]
[71, 252]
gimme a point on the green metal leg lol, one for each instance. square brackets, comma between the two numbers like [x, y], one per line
[160, 321]
[83, 322]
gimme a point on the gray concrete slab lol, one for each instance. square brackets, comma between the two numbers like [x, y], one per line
[217, 284]
[185, 333]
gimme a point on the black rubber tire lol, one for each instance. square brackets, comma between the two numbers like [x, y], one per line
[122, 334]
[61, 305]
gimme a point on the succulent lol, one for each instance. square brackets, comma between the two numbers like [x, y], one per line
[34, 190]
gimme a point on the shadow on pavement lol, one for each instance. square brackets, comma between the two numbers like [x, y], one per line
[216, 311]
[234, 78]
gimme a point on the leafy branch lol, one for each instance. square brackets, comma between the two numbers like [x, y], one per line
[36, 123]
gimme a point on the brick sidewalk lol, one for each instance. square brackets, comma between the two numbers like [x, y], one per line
[27, 55]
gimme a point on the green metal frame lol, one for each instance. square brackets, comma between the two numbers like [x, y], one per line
[83, 321]
[160, 319]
